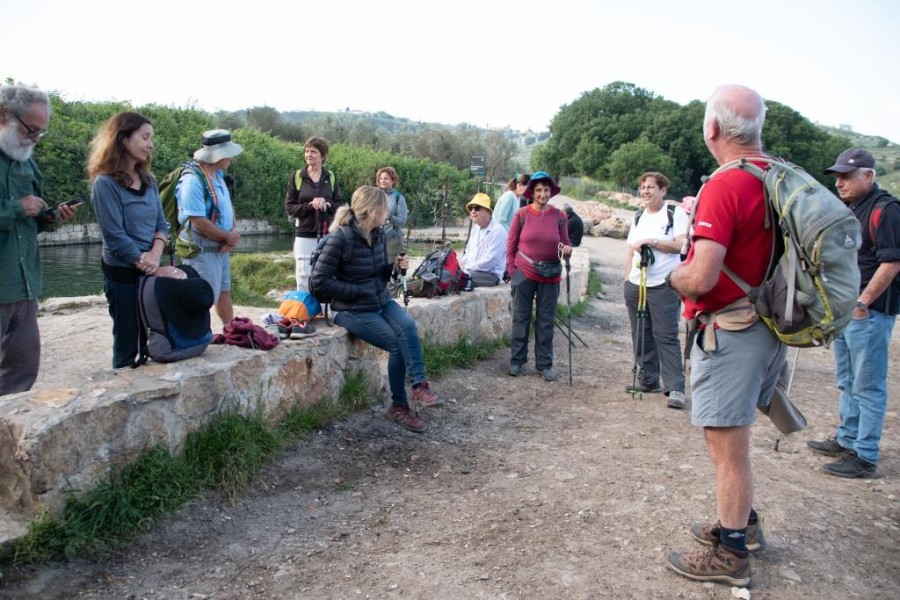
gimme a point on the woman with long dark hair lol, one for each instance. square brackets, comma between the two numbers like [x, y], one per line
[135, 232]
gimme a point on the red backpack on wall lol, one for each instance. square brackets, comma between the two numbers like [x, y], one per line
[437, 275]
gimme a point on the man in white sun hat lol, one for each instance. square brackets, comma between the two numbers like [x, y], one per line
[205, 205]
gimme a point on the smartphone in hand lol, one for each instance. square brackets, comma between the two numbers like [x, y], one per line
[73, 202]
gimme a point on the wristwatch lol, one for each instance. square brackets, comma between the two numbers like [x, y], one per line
[669, 280]
[860, 305]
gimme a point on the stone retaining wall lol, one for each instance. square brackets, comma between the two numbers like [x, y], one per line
[55, 440]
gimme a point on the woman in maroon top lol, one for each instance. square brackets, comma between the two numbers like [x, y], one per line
[538, 238]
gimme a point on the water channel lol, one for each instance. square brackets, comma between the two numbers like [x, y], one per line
[75, 270]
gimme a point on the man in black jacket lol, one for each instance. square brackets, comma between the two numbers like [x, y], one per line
[576, 226]
[861, 350]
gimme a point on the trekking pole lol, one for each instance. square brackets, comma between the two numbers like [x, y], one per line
[637, 371]
[444, 212]
[787, 390]
[560, 325]
[403, 283]
[565, 257]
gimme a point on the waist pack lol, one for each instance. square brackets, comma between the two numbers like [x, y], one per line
[437, 275]
[241, 331]
[548, 269]
[173, 317]
[812, 281]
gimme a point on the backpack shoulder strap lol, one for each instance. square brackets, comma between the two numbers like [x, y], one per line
[670, 212]
[521, 212]
[638, 215]
[143, 353]
[198, 172]
[346, 249]
[874, 219]
[298, 179]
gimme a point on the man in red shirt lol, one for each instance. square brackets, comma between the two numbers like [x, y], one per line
[732, 369]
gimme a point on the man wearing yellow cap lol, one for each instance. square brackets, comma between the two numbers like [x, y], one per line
[484, 257]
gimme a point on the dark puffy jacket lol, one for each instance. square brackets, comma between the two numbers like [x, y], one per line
[359, 283]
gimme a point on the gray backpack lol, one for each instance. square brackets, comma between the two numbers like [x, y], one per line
[174, 317]
[812, 281]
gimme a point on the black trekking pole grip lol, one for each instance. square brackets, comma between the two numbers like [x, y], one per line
[402, 255]
[646, 255]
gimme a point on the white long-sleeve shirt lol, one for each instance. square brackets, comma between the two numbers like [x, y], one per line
[486, 250]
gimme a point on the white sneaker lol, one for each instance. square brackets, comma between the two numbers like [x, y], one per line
[676, 400]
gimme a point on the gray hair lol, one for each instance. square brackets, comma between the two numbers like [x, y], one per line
[16, 99]
[865, 170]
[740, 113]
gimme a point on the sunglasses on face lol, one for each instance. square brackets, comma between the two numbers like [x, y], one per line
[475, 208]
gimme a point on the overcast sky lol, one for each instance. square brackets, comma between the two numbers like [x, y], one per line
[488, 63]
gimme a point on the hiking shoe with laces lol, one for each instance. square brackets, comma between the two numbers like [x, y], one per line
[828, 447]
[850, 466]
[405, 418]
[284, 328]
[715, 563]
[676, 400]
[643, 389]
[302, 329]
[708, 534]
[422, 394]
[515, 370]
[548, 375]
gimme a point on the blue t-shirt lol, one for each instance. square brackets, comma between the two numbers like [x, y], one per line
[192, 202]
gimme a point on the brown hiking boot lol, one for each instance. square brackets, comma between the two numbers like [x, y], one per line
[715, 563]
[406, 418]
[707, 533]
[423, 395]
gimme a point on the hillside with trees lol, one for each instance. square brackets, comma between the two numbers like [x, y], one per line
[603, 139]
[617, 132]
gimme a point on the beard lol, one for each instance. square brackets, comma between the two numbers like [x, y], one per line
[14, 145]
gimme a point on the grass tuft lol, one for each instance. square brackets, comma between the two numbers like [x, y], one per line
[254, 275]
[440, 359]
[230, 450]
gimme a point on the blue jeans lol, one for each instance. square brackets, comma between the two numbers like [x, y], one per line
[391, 329]
[122, 299]
[861, 361]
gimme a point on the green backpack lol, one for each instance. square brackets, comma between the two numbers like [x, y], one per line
[184, 248]
[812, 282]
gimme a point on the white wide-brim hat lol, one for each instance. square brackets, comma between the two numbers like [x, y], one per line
[217, 145]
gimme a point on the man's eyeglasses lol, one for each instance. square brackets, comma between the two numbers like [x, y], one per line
[475, 208]
[33, 132]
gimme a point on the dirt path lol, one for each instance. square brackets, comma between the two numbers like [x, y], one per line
[519, 489]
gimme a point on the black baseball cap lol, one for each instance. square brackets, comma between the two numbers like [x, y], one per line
[851, 160]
